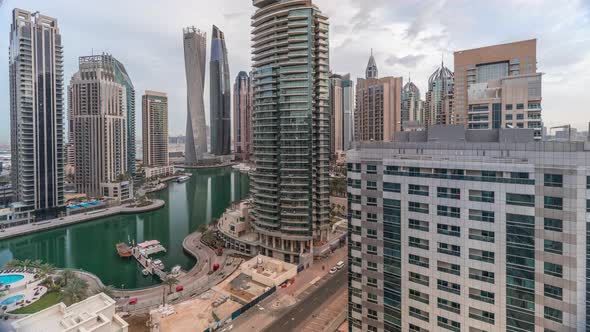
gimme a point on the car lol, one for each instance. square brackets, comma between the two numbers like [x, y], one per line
[333, 270]
[133, 300]
[340, 265]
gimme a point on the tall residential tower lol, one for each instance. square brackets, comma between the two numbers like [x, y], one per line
[438, 106]
[36, 113]
[220, 92]
[243, 107]
[195, 54]
[98, 111]
[155, 128]
[412, 107]
[341, 112]
[291, 128]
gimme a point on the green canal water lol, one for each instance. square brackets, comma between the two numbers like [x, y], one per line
[91, 246]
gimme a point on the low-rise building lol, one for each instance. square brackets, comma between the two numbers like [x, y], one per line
[235, 230]
[154, 172]
[119, 191]
[96, 313]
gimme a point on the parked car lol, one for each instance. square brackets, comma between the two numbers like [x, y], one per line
[340, 265]
[333, 270]
[133, 300]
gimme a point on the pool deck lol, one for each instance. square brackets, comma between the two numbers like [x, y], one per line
[45, 225]
[27, 287]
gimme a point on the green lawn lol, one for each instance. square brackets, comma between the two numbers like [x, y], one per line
[45, 301]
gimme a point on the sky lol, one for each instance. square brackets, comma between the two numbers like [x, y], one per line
[409, 38]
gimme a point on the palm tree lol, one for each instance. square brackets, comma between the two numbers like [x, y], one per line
[27, 262]
[168, 281]
[108, 290]
[75, 291]
[14, 263]
[67, 275]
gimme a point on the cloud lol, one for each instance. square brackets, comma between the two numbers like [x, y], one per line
[410, 60]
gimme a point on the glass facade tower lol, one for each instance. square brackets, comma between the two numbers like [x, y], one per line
[220, 95]
[291, 128]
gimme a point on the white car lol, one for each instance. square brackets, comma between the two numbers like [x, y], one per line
[333, 270]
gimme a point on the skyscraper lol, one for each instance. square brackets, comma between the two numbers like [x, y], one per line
[243, 108]
[123, 78]
[195, 54]
[378, 106]
[36, 113]
[412, 106]
[499, 85]
[438, 106]
[444, 237]
[155, 128]
[220, 93]
[341, 112]
[98, 111]
[291, 128]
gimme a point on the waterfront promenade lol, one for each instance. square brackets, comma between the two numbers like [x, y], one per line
[45, 225]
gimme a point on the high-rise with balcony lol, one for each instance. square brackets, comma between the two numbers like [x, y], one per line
[498, 86]
[155, 128]
[291, 128]
[36, 114]
[438, 104]
[378, 106]
[469, 230]
[220, 93]
[412, 107]
[122, 77]
[195, 57]
[98, 109]
[341, 106]
[243, 108]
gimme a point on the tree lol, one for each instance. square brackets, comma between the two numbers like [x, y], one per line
[67, 275]
[45, 270]
[169, 281]
[108, 290]
[75, 291]
[14, 264]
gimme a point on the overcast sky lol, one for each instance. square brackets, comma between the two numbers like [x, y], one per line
[407, 36]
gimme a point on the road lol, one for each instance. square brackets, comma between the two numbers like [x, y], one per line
[304, 309]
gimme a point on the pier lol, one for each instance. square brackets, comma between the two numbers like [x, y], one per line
[150, 266]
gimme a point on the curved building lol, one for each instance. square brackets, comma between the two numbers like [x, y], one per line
[291, 185]
[439, 98]
[121, 77]
[195, 54]
[220, 92]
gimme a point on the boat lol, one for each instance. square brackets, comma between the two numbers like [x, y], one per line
[158, 263]
[183, 178]
[150, 247]
[123, 249]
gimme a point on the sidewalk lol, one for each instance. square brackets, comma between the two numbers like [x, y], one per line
[261, 316]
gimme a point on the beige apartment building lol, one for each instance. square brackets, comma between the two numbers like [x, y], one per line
[378, 106]
[506, 82]
[155, 128]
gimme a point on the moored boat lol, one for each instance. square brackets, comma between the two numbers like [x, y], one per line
[123, 249]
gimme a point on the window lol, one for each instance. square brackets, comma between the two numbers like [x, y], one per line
[481, 196]
[372, 314]
[419, 296]
[372, 282]
[371, 217]
[453, 193]
[554, 247]
[448, 287]
[484, 316]
[449, 305]
[520, 199]
[371, 233]
[488, 174]
[553, 314]
[508, 116]
[481, 255]
[534, 105]
[519, 175]
[448, 211]
[448, 324]
[391, 187]
[555, 270]
[371, 249]
[418, 260]
[509, 107]
[419, 278]
[371, 201]
[588, 182]
[418, 243]
[588, 205]
[448, 230]
[371, 266]
[555, 225]
[417, 313]
[481, 295]
[519, 116]
[371, 328]
[414, 189]
[449, 249]
[371, 185]
[391, 170]
[418, 225]
[479, 215]
[481, 235]
[553, 180]
[449, 268]
[554, 203]
[372, 298]
[415, 328]
[371, 169]
[554, 292]
[519, 106]
[418, 207]
[482, 275]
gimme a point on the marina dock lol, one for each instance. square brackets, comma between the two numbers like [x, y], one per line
[141, 253]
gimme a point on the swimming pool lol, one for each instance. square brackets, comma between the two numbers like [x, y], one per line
[10, 278]
[12, 299]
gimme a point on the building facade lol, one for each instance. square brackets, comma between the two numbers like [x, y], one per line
[195, 55]
[36, 114]
[490, 63]
[220, 92]
[377, 116]
[412, 111]
[98, 123]
[439, 100]
[121, 77]
[469, 230]
[155, 128]
[341, 106]
[243, 108]
[290, 187]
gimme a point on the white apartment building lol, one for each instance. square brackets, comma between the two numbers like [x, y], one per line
[469, 230]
